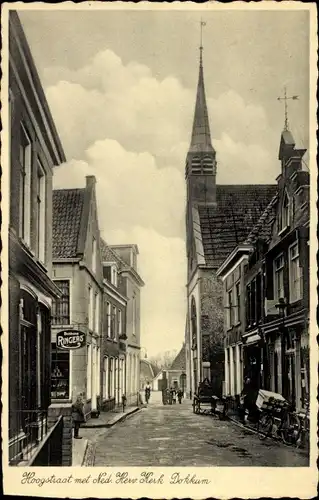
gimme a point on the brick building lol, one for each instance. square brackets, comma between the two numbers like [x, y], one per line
[218, 218]
[270, 275]
[113, 343]
[285, 330]
[34, 149]
[77, 272]
[130, 284]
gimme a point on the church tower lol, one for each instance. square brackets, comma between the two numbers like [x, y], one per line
[201, 157]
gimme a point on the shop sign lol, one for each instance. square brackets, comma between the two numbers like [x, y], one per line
[70, 339]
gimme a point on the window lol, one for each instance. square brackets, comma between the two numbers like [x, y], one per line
[89, 372]
[61, 306]
[114, 276]
[237, 308]
[60, 373]
[94, 255]
[294, 274]
[106, 378]
[259, 300]
[113, 324]
[134, 314]
[110, 273]
[97, 313]
[107, 273]
[253, 302]
[119, 320]
[25, 186]
[279, 277]
[284, 216]
[41, 212]
[230, 309]
[91, 308]
[108, 319]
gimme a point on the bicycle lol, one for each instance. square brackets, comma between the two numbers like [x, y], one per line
[279, 421]
[304, 434]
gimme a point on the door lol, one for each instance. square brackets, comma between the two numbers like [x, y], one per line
[29, 378]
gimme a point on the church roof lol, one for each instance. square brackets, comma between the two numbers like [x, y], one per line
[179, 362]
[201, 140]
[228, 224]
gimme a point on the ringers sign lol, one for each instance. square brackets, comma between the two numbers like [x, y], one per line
[70, 339]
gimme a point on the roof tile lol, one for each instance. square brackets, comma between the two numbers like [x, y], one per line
[67, 213]
[228, 224]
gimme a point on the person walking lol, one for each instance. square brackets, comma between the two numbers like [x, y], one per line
[147, 392]
[180, 395]
[78, 415]
[173, 393]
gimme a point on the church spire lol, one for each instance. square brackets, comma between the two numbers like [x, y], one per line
[201, 140]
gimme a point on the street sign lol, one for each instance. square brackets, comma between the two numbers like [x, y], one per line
[70, 339]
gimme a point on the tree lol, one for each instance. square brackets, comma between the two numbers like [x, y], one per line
[164, 360]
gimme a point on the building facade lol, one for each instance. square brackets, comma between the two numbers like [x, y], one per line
[34, 150]
[218, 218]
[286, 330]
[270, 271]
[113, 347]
[77, 272]
[130, 286]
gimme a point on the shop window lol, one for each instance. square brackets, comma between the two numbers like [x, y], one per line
[61, 306]
[60, 373]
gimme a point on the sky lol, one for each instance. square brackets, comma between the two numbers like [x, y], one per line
[121, 86]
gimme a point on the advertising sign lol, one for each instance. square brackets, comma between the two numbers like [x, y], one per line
[70, 339]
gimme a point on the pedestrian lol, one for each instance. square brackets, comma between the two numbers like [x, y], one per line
[180, 395]
[78, 415]
[147, 392]
[173, 393]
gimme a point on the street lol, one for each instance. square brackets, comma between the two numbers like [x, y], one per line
[174, 436]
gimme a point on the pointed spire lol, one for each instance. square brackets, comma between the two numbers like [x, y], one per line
[201, 140]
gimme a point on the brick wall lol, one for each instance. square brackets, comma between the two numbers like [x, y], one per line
[64, 409]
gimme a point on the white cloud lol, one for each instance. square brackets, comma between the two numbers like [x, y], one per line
[110, 100]
[162, 263]
[130, 187]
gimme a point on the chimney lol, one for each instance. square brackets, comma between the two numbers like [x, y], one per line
[90, 180]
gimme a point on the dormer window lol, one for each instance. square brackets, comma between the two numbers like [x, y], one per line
[284, 216]
[110, 272]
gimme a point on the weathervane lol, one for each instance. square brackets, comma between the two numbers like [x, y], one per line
[285, 98]
[202, 23]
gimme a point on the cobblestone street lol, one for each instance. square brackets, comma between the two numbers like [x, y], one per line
[174, 436]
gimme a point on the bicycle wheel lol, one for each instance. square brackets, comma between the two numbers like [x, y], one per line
[264, 427]
[290, 428]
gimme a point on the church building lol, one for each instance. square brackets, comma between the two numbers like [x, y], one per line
[218, 218]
